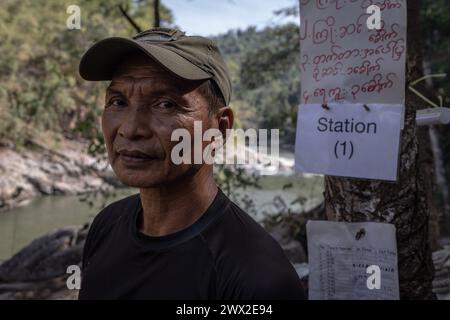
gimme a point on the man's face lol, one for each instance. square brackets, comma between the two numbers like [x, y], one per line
[144, 104]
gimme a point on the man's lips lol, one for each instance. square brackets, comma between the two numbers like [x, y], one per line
[135, 156]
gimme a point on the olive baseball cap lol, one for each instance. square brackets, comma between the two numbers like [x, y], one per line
[189, 57]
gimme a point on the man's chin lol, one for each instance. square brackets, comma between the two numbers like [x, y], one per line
[142, 183]
[143, 178]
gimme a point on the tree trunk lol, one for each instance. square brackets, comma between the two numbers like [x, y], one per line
[403, 203]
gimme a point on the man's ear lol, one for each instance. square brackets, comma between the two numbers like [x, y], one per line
[225, 118]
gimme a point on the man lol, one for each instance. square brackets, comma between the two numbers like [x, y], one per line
[180, 237]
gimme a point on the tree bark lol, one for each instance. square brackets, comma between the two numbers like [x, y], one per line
[403, 203]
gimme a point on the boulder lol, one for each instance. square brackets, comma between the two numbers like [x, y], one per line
[39, 271]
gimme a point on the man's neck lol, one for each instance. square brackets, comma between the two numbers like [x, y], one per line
[176, 206]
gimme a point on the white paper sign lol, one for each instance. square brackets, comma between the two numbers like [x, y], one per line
[349, 61]
[348, 140]
[343, 60]
[354, 261]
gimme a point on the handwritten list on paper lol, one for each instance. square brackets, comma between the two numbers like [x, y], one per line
[340, 255]
[342, 60]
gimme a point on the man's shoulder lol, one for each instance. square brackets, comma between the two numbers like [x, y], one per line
[241, 238]
[249, 260]
[237, 225]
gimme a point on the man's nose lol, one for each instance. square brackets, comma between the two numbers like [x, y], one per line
[136, 124]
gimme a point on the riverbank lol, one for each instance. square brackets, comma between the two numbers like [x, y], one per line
[63, 169]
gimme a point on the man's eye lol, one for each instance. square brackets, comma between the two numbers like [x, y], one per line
[117, 103]
[166, 104]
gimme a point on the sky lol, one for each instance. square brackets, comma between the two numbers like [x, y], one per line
[212, 17]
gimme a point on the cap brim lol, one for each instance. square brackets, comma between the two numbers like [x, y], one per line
[101, 60]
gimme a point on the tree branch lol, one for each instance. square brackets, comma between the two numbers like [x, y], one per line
[130, 20]
[157, 21]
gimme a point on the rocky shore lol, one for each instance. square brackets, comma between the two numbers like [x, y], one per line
[40, 170]
[67, 169]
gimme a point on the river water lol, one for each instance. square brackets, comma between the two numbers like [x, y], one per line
[21, 225]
